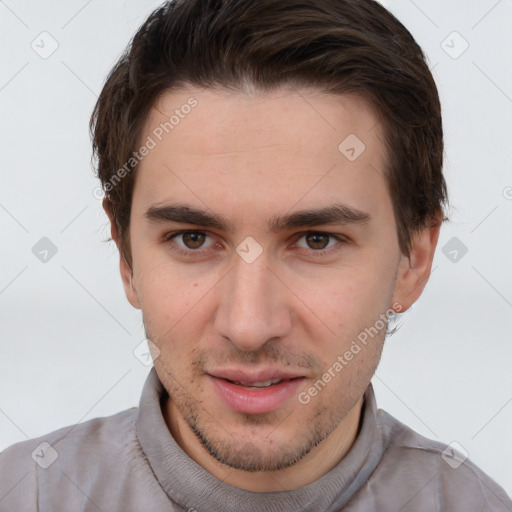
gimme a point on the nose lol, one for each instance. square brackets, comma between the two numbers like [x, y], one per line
[253, 307]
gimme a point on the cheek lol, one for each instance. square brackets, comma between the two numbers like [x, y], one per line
[350, 306]
[350, 297]
[162, 294]
[173, 302]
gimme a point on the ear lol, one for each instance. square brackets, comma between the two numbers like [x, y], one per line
[124, 267]
[414, 270]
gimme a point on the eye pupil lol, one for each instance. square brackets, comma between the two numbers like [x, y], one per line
[314, 238]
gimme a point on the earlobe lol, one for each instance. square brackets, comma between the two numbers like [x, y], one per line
[414, 270]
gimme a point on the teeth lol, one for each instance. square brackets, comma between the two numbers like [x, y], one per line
[263, 384]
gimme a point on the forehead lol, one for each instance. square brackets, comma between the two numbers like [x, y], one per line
[286, 146]
[302, 117]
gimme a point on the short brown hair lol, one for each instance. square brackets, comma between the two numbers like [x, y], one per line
[337, 46]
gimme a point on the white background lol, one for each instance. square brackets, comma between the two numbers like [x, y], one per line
[67, 332]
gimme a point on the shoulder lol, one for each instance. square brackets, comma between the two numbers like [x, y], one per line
[423, 474]
[98, 434]
[100, 441]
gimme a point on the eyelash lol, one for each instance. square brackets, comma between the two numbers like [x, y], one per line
[199, 252]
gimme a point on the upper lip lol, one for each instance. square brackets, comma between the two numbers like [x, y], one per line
[262, 375]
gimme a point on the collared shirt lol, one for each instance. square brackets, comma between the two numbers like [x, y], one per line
[129, 462]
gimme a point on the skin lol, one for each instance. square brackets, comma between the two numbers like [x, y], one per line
[248, 157]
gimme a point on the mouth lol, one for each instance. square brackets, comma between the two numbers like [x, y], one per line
[257, 393]
[259, 385]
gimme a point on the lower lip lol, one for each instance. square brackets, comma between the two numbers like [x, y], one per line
[252, 400]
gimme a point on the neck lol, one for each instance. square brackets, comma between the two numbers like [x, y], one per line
[319, 461]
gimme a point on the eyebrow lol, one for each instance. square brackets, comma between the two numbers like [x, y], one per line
[333, 214]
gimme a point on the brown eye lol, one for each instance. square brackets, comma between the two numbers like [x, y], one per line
[193, 240]
[190, 243]
[317, 240]
[318, 244]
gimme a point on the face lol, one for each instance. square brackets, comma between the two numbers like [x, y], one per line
[261, 251]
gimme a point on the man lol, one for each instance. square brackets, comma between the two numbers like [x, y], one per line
[273, 179]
